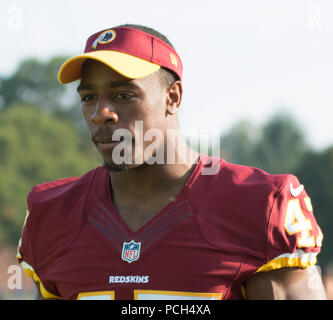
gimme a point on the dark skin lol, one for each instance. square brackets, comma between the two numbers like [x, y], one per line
[111, 101]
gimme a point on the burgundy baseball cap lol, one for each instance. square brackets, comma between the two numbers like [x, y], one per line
[130, 52]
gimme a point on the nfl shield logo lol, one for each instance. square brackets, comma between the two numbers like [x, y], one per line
[131, 251]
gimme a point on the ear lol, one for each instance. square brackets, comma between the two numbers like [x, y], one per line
[174, 97]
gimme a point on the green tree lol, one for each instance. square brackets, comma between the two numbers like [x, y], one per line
[277, 146]
[35, 82]
[239, 144]
[282, 145]
[34, 148]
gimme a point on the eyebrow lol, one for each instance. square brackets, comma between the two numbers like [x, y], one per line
[112, 84]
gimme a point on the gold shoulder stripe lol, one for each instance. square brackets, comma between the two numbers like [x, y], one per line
[299, 258]
[18, 253]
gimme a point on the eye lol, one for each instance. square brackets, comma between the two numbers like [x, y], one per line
[87, 97]
[123, 95]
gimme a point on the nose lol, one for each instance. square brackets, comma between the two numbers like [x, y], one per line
[104, 112]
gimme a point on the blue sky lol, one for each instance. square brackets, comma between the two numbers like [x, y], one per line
[242, 59]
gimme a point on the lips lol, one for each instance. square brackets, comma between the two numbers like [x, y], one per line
[106, 141]
[106, 144]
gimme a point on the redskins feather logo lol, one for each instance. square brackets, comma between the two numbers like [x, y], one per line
[105, 37]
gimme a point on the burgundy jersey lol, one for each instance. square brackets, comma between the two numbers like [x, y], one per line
[220, 230]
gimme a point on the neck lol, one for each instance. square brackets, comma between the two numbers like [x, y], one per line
[147, 183]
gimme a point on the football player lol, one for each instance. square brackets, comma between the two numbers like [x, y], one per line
[143, 227]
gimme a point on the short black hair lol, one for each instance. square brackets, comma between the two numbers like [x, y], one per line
[167, 76]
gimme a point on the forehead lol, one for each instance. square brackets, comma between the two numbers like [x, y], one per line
[97, 73]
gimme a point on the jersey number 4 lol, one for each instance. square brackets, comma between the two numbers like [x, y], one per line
[295, 222]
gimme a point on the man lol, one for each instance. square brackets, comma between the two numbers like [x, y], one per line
[145, 227]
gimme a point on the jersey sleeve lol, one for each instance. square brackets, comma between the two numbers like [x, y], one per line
[294, 238]
[25, 256]
[24, 250]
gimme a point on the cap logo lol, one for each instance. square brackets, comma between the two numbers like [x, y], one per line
[105, 37]
[173, 59]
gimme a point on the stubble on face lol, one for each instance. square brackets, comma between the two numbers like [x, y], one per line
[123, 167]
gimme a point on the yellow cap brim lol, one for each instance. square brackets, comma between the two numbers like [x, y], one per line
[125, 64]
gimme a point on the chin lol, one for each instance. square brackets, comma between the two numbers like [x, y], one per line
[121, 167]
